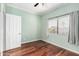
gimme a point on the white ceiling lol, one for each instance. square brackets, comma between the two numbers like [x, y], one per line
[36, 10]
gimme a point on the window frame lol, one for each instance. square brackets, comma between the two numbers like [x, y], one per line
[58, 22]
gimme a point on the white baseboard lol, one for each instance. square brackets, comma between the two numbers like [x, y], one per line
[77, 52]
[30, 41]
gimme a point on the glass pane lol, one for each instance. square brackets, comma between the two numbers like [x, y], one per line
[52, 26]
[64, 25]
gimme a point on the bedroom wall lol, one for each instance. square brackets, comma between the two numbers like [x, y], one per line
[58, 39]
[30, 24]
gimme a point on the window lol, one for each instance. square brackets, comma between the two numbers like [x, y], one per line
[52, 26]
[59, 25]
[63, 25]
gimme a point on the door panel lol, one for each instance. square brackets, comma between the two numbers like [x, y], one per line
[13, 28]
[1, 32]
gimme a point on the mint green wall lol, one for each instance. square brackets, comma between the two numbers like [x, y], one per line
[60, 40]
[30, 24]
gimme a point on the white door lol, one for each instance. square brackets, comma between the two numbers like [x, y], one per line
[1, 30]
[13, 31]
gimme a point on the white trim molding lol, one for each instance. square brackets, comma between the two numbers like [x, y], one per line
[30, 41]
[77, 52]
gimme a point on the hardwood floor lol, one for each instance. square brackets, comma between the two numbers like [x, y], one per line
[38, 48]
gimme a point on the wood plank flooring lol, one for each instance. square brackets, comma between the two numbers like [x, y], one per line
[38, 48]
